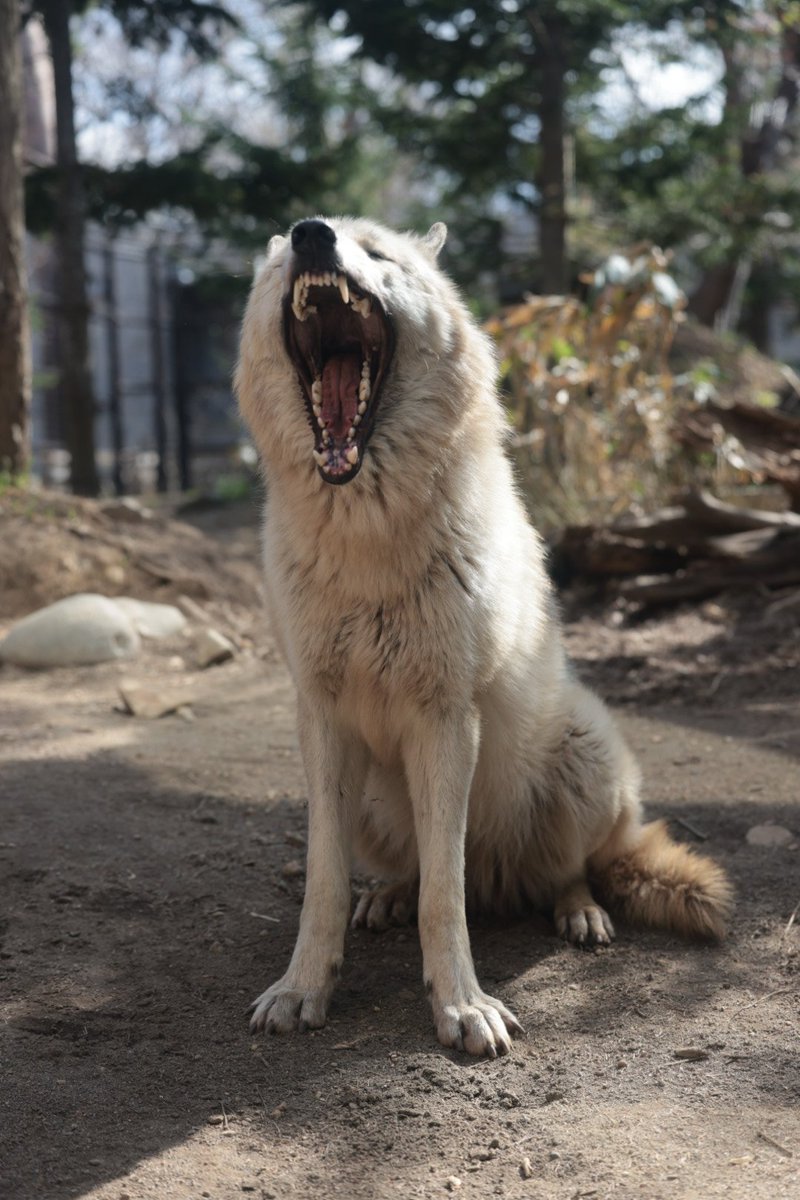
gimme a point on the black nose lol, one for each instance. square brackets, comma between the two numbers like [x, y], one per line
[310, 238]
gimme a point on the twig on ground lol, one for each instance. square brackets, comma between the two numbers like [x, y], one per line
[701, 837]
[790, 922]
[264, 917]
[768, 996]
[775, 1145]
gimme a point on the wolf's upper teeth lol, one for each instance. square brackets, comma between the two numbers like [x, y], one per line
[362, 408]
[357, 418]
[344, 290]
[326, 438]
[319, 457]
[316, 391]
[364, 390]
[352, 455]
[298, 311]
[351, 433]
[326, 279]
[298, 290]
[365, 369]
[318, 413]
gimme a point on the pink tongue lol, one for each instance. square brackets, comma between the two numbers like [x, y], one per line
[341, 376]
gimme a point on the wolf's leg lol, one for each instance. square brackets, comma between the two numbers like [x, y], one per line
[579, 919]
[336, 768]
[389, 904]
[440, 756]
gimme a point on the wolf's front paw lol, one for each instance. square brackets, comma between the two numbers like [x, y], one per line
[282, 1008]
[588, 926]
[480, 1025]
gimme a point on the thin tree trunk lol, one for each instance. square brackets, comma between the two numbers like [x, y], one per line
[552, 150]
[15, 381]
[73, 306]
[760, 150]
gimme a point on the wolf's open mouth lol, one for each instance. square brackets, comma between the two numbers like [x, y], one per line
[340, 340]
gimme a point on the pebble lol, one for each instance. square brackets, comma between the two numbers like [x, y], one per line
[291, 870]
[453, 1183]
[769, 835]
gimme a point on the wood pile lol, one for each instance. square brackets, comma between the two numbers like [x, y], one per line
[687, 552]
[767, 440]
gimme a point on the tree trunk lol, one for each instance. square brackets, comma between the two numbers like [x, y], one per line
[552, 174]
[760, 150]
[73, 307]
[15, 382]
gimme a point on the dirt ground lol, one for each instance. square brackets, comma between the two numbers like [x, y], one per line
[151, 878]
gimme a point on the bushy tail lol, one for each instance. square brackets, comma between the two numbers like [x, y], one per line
[660, 883]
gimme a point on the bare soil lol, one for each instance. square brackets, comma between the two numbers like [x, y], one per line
[151, 877]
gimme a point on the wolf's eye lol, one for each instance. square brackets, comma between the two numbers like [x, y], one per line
[376, 254]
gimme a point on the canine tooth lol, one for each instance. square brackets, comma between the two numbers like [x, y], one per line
[352, 455]
[298, 287]
[344, 290]
[362, 408]
[298, 312]
[320, 458]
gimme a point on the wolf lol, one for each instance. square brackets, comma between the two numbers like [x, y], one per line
[446, 741]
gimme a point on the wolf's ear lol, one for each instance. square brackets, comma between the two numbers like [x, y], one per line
[434, 239]
[275, 245]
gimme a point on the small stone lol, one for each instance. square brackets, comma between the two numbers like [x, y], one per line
[80, 630]
[453, 1183]
[293, 869]
[151, 700]
[526, 1168]
[151, 620]
[215, 1119]
[127, 509]
[769, 835]
[212, 648]
[691, 1054]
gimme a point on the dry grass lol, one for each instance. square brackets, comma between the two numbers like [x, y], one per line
[592, 399]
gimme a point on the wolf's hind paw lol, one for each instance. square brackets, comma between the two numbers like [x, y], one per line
[588, 926]
[380, 907]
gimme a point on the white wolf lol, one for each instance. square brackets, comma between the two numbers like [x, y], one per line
[444, 737]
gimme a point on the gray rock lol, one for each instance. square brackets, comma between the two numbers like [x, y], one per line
[78, 631]
[152, 620]
[769, 835]
[151, 700]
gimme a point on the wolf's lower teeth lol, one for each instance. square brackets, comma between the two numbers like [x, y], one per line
[362, 408]
[352, 455]
[357, 419]
[320, 458]
[351, 433]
